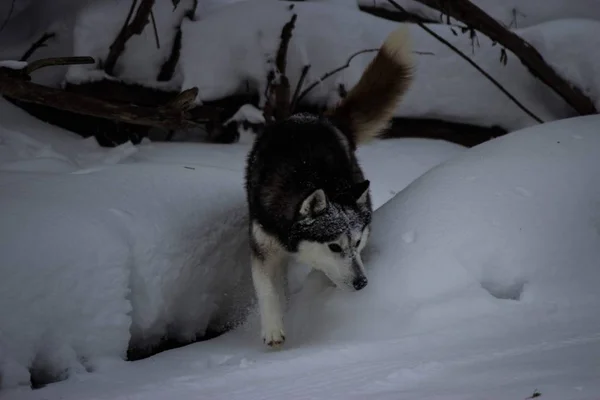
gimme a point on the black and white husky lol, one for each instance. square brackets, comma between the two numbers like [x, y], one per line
[306, 192]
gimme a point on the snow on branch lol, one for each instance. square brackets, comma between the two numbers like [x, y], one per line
[474, 64]
[136, 27]
[474, 17]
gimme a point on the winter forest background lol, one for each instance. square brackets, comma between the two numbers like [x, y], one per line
[124, 262]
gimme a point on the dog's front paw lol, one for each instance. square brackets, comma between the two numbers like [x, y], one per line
[274, 337]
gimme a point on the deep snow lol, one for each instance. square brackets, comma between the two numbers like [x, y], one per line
[101, 247]
[483, 284]
[483, 271]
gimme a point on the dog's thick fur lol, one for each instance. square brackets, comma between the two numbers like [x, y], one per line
[306, 192]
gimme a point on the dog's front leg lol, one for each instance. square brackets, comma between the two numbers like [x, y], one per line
[267, 277]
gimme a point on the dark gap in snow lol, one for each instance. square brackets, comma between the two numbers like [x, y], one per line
[42, 374]
[503, 291]
[137, 352]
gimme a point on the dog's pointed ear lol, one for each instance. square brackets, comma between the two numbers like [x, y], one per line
[315, 203]
[361, 192]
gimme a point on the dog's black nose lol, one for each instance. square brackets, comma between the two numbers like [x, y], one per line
[360, 282]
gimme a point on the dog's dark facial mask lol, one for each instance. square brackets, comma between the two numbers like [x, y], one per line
[329, 234]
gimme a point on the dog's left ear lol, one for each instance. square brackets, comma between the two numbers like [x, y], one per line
[314, 204]
[360, 192]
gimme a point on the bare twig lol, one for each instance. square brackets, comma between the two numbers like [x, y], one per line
[41, 42]
[8, 17]
[281, 90]
[474, 17]
[136, 27]
[331, 73]
[156, 38]
[477, 67]
[48, 62]
[294, 102]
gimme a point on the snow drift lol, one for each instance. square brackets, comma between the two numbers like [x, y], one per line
[483, 282]
[109, 249]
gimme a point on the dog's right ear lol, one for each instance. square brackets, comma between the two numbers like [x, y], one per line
[314, 204]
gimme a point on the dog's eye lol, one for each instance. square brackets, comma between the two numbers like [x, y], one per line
[335, 248]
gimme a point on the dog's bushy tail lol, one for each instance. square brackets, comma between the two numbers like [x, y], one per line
[370, 104]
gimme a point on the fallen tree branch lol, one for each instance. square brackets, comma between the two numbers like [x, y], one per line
[474, 17]
[41, 42]
[184, 100]
[159, 117]
[467, 135]
[474, 64]
[136, 27]
[331, 73]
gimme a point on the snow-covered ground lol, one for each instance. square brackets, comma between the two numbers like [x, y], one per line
[483, 276]
[127, 244]
[483, 264]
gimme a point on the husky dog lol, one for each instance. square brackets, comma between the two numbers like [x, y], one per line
[306, 192]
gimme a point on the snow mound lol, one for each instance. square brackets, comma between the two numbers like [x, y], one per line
[515, 219]
[483, 277]
[105, 250]
[326, 35]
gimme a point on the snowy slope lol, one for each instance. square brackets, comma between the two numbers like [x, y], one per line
[106, 248]
[445, 86]
[483, 284]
